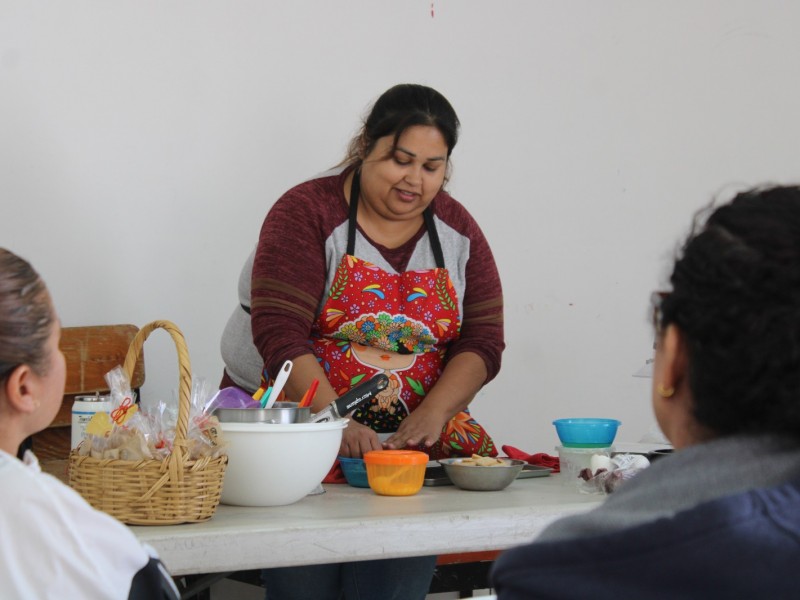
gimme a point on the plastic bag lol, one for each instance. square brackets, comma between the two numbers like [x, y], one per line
[205, 434]
[607, 474]
[134, 434]
[230, 397]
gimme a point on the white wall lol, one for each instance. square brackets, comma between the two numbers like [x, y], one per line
[142, 142]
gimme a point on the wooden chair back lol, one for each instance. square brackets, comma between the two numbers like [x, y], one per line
[90, 353]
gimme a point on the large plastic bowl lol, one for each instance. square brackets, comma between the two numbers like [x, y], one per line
[586, 433]
[480, 478]
[277, 464]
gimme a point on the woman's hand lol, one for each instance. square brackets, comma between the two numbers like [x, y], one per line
[460, 381]
[423, 427]
[358, 439]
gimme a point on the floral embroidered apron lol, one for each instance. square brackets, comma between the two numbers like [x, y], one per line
[397, 324]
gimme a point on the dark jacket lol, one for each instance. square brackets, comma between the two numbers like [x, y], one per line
[745, 545]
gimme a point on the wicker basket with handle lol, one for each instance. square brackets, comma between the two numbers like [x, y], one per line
[154, 492]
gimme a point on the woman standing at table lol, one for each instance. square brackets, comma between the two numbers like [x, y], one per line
[374, 268]
[53, 543]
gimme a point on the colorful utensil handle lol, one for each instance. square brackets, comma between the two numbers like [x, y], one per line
[277, 387]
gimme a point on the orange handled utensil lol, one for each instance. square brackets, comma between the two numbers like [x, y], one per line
[308, 397]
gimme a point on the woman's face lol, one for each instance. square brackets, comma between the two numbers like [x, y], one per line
[658, 402]
[399, 183]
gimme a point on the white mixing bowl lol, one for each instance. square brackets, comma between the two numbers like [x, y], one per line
[277, 464]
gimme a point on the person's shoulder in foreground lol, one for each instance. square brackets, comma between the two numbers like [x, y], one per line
[55, 545]
[740, 546]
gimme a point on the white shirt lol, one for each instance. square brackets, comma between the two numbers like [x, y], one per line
[53, 544]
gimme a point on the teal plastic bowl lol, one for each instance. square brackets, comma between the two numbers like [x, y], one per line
[586, 433]
[355, 471]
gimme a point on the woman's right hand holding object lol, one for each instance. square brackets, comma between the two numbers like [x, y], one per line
[357, 440]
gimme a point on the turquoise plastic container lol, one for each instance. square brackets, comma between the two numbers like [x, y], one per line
[355, 471]
[586, 433]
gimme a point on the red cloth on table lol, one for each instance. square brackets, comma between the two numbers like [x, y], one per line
[541, 459]
[335, 475]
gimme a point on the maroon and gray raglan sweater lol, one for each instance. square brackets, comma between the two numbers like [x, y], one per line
[285, 281]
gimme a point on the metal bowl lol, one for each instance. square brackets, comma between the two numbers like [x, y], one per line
[482, 479]
[278, 413]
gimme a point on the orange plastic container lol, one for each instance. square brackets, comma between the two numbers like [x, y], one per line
[395, 472]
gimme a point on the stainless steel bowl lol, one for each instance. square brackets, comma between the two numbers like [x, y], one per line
[482, 479]
[280, 412]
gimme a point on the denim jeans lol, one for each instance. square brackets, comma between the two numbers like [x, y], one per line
[392, 579]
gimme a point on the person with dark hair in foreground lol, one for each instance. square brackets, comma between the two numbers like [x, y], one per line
[720, 517]
[53, 543]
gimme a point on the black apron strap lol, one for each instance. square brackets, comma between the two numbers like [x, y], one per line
[355, 192]
[433, 235]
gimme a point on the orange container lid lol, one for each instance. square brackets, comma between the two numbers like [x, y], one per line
[395, 457]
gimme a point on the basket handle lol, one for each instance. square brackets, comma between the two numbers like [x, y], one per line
[180, 447]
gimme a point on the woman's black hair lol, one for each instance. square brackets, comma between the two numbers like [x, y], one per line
[399, 108]
[736, 298]
[26, 315]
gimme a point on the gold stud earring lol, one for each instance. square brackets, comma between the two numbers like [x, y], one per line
[665, 392]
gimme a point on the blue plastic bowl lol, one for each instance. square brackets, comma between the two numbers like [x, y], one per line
[586, 433]
[355, 471]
